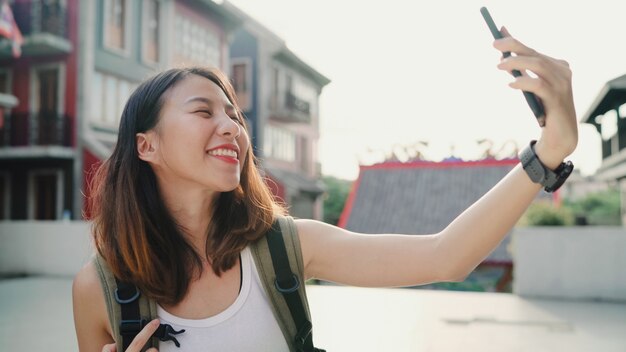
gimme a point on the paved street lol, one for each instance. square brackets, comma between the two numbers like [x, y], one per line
[36, 315]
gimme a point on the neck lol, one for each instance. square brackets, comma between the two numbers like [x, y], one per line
[191, 207]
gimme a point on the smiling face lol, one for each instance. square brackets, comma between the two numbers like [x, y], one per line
[199, 140]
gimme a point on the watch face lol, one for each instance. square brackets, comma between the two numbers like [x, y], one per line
[563, 172]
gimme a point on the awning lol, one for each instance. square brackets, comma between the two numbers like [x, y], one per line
[612, 96]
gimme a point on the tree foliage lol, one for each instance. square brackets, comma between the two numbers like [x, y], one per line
[337, 191]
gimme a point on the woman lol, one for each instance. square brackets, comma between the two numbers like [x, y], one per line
[180, 200]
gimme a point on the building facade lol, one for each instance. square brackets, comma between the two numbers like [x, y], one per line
[279, 93]
[62, 98]
[38, 134]
[607, 114]
[126, 41]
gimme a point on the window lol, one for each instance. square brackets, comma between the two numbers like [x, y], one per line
[5, 82]
[115, 28]
[5, 88]
[279, 144]
[609, 125]
[45, 194]
[5, 196]
[305, 155]
[48, 84]
[151, 30]
[97, 112]
[123, 93]
[196, 44]
[47, 88]
[46, 102]
[108, 98]
[242, 82]
[275, 88]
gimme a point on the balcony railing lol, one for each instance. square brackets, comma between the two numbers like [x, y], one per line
[41, 16]
[295, 103]
[44, 26]
[36, 129]
[291, 109]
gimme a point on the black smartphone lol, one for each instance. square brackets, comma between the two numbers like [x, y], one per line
[531, 99]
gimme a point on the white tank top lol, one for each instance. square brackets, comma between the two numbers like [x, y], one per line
[247, 325]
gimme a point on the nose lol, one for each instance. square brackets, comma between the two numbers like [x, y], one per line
[229, 127]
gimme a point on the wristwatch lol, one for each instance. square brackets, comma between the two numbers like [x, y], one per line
[551, 180]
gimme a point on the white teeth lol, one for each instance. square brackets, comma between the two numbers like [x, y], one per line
[223, 152]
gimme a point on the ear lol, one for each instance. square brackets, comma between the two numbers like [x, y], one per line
[146, 146]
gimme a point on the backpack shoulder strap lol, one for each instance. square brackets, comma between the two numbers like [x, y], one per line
[107, 281]
[127, 308]
[278, 257]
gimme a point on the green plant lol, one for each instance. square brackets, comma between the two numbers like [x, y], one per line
[337, 191]
[546, 214]
[600, 208]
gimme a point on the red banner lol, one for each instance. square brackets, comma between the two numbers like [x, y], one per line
[9, 29]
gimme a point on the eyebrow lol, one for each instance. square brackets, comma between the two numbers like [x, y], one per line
[227, 106]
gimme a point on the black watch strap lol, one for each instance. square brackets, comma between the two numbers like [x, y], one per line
[551, 180]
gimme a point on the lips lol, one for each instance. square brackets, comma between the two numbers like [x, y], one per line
[225, 152]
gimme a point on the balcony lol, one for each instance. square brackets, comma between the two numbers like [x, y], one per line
[36, 129]
[294, 109]
[44, 26]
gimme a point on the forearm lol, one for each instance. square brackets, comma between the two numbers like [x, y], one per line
[479, 229]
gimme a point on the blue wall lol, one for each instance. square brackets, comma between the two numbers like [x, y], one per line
[246, 45]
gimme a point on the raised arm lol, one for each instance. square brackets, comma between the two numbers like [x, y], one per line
[338, 255]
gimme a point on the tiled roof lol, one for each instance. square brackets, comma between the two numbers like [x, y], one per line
[421, 197]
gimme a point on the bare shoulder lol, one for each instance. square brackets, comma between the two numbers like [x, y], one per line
[90, 313]
[86, 280]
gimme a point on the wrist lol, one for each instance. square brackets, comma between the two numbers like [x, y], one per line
[545, 172]
[548, 157]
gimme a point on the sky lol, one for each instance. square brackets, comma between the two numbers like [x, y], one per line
[410, 71]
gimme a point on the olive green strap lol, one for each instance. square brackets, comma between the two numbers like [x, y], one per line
[263, 261]
[147, 307]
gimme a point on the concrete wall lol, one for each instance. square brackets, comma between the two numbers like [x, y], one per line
[570, 262]
[44, 247]
[553, 262]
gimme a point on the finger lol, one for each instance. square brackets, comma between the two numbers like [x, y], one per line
[537, 65]
[152, 350]
[109, 348]
[537, 85]
[510, 44]
[143, 336]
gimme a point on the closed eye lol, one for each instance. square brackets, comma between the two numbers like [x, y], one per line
[206, 112]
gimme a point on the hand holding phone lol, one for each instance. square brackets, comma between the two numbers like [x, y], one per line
[535, 104]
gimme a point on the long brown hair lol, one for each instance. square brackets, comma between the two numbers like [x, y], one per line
[134, 231]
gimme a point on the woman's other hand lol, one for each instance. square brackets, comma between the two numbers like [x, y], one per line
[139, 341]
